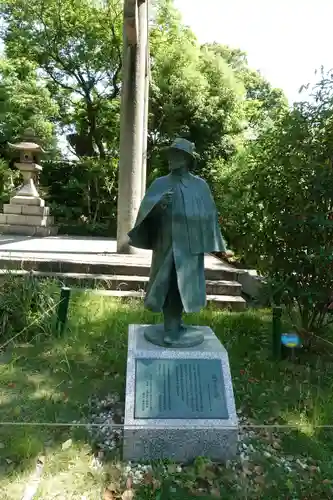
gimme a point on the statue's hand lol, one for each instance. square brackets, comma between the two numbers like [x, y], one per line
[166, 199]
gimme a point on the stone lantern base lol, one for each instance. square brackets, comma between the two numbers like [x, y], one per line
[27, 215]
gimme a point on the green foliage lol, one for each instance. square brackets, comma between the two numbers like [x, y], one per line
[276, 205]
[24, 102]
[8, 179]
[193, 93]
[82, 195]
[202, 93]
[27, 307]
[262, 104]
[77, 47]
[207, 94]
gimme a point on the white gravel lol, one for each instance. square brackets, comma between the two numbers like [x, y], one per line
[105, 419]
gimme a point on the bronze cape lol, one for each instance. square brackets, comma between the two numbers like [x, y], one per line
[179, 235]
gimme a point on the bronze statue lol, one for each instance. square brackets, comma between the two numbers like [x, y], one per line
[178, 221]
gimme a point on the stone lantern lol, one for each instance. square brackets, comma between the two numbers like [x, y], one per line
[26, 213]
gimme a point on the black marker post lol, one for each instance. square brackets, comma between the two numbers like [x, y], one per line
[276, 338]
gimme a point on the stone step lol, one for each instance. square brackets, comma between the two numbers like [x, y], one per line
[25, 210]
[28, 230]
[121, 283]
[27, 220]
[111, 264]
[232, 302]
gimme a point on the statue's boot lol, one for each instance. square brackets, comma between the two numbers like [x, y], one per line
[183, 337]
[172, 337]
[176, 333]
[172, 328]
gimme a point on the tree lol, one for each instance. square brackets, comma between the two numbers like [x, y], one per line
[24, 103]
[193, 93]
[208, 94]
[77, 47]
[263, 104]
[276, 205]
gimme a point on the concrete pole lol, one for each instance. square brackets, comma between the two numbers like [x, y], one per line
[146, 109]
[131, 122]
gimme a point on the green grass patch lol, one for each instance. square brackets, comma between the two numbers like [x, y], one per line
[50, 380]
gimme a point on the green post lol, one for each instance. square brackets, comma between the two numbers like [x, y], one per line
[277, 313]
[63, 309]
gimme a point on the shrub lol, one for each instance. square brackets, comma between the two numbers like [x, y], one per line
[9, 179]
[82, 195]
[276, 206]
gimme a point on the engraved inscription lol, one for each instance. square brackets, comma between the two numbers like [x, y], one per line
[184, 388]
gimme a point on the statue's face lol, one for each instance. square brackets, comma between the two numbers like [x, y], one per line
[178, 159]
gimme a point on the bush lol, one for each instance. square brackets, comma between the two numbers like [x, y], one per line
[9, 179]
[82, 195]
[27, 307]
[276, 206]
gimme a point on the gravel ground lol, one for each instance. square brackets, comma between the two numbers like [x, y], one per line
[261, 461]
[108, 412]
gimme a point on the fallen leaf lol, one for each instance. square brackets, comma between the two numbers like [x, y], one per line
[258, 469]
[247, 471]
[156, 484]
[108, 495]
[195, 493]
[67, 444]
[148, 478]
[129, 483]
[127, 495]
[112, 487]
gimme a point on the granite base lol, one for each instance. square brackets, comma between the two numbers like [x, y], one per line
[178, 439]
[27, 215]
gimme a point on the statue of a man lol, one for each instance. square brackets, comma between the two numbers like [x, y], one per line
[178, 221]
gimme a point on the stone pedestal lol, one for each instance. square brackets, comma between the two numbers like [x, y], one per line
[27, 216]
[26, 213]
[179, 402]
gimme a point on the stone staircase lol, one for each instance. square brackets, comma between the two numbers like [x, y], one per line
[111, 273]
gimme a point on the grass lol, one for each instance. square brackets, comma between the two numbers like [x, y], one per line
[50, 380]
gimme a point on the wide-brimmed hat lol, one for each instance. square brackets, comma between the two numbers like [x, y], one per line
[184, 145]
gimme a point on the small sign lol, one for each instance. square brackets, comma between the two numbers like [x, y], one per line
[290, 340]
[180, 388]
